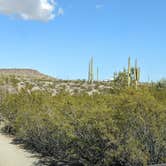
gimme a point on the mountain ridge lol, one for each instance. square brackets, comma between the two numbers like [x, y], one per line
[25, 72]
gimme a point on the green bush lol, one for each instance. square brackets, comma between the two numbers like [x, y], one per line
[127, 128]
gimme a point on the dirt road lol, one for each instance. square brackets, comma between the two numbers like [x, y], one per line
[13, 155]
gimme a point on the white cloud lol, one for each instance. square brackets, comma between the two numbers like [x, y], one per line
[43, 10]
[99, 6]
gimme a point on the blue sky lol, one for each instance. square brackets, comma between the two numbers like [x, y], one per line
[108, 30]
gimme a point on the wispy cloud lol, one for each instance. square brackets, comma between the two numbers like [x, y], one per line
[60, 12]
[42, 10]
[99, 6]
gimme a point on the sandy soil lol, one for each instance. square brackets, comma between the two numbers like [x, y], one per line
[13, 155]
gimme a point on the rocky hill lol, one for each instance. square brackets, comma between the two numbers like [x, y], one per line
[14, 80]
[23, 73]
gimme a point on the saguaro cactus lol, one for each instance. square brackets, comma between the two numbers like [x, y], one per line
[136, 74]
[97, 74]
[89, 77]
[133, 73]
[91, 71]
[129, 71]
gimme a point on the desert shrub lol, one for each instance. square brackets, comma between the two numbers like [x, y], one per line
[125, 128]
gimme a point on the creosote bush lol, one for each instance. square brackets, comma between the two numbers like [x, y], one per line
[127, 128]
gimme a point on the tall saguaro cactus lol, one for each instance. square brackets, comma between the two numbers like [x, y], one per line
[129, 71]
[97, 74]
[136, 74]
[133, 74]
[91, 71]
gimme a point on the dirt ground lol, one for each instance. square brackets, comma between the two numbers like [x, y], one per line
[13, 155]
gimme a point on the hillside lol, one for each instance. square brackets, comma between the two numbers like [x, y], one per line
[101, 123]
[13, 80]
[124, 128]
[31, 73]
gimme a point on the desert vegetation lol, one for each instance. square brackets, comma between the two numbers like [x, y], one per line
[118, 126]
